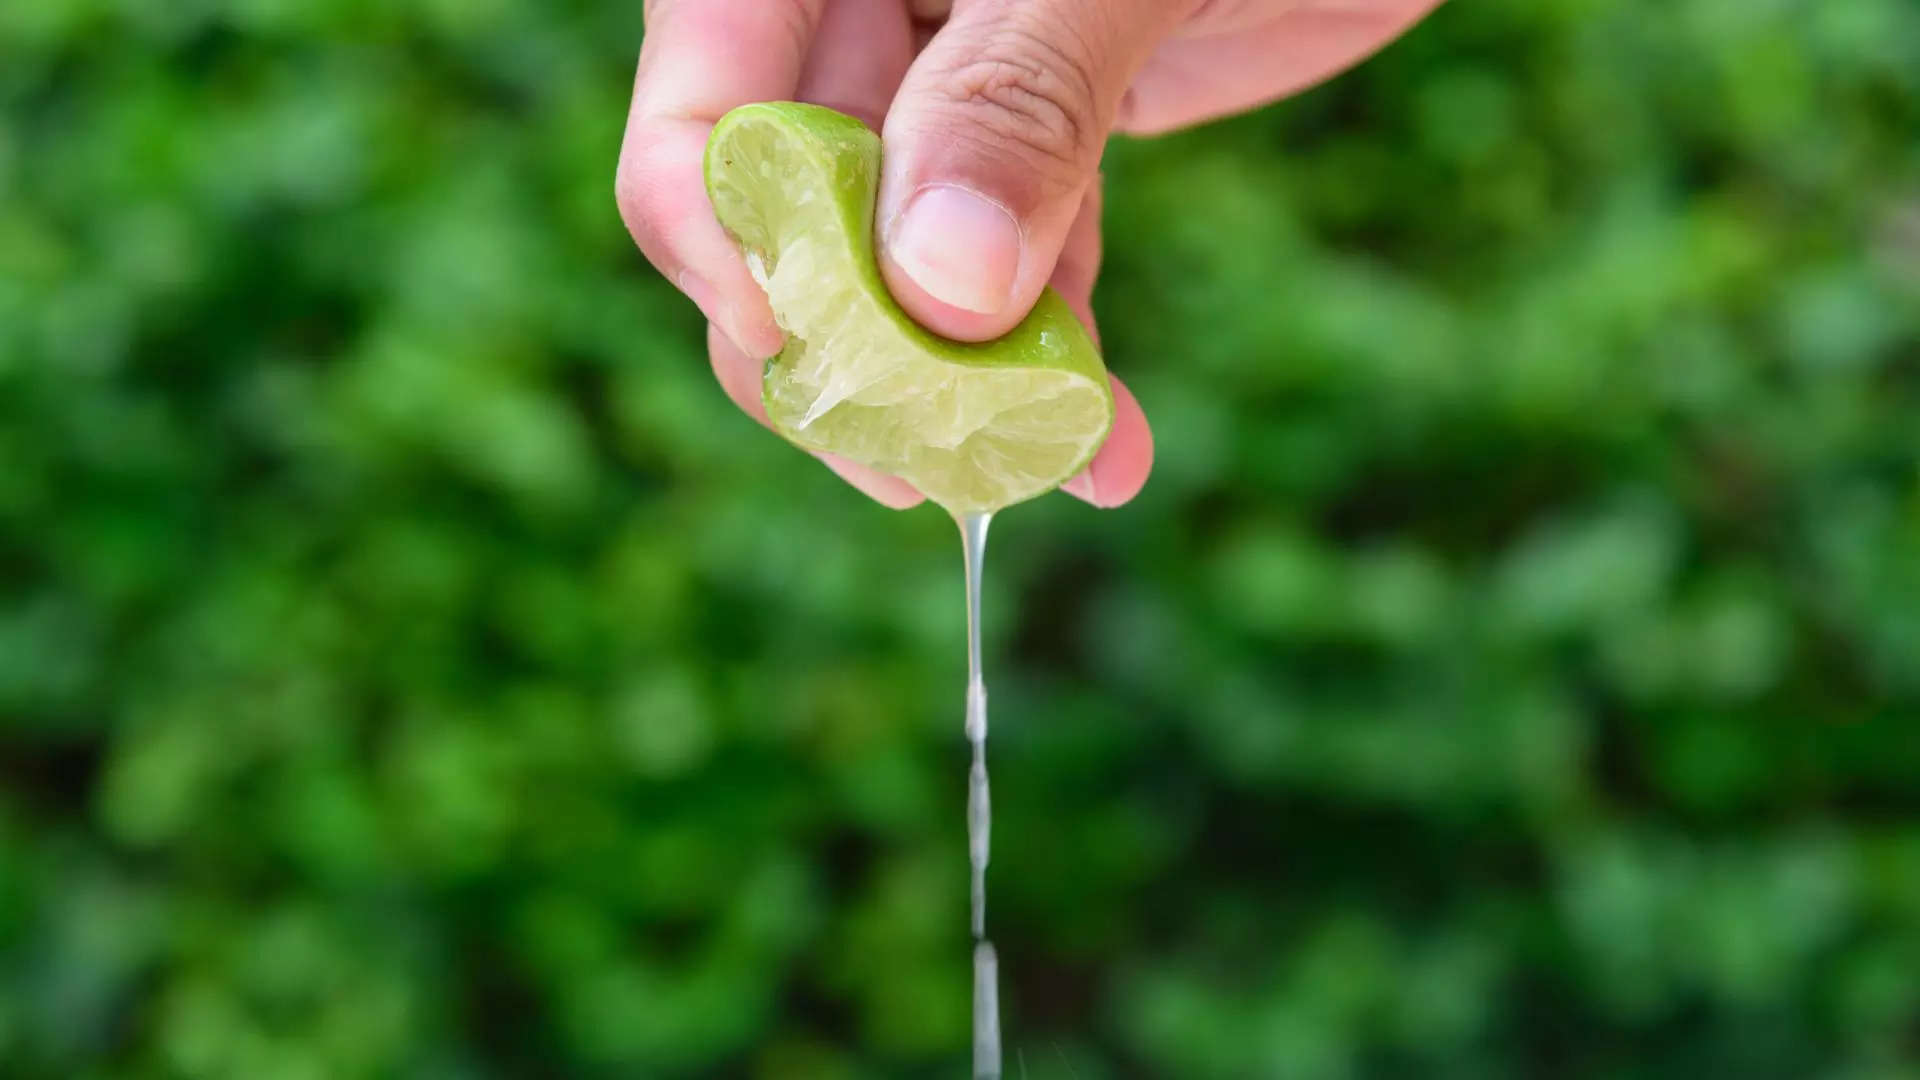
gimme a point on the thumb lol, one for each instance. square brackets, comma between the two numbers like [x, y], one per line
[990, 145]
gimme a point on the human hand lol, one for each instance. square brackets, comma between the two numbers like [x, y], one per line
[995, 116]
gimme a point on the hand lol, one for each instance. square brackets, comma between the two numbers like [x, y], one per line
[995, 116]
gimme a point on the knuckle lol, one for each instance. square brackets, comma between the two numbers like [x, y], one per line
[705, 20]
[633, 195]
[1036, 96]
[1208, 15]
[799, 20]
[627, 194]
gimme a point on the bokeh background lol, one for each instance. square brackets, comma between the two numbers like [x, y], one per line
[410, 664]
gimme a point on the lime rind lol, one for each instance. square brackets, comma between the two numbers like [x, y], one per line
[974, 426]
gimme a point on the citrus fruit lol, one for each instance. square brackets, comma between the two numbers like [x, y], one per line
[973, 426]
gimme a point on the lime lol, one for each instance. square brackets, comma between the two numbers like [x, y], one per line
[975, 427]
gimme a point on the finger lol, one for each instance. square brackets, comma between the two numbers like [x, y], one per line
[860, 53]
[701, 58]
[889, 491]
[1078, 267]
[1120, 469]
[927, 17]
[1192, 79]
[991, 143]
[740, 376]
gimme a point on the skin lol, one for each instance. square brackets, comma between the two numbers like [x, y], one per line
[994, 114]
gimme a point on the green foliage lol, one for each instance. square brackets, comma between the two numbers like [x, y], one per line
[410, 664]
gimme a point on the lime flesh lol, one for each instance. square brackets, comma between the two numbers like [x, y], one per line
[974, 427]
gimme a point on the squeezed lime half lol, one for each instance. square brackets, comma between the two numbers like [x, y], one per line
[975, 427]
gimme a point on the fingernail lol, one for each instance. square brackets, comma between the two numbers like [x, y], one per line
[889, 491]
[707, 299]
[757, 337]
[700, 293]
[961, 247]
[1081, 486]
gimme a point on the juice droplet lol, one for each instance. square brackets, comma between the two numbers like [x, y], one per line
[986, 1012]
[979, 835]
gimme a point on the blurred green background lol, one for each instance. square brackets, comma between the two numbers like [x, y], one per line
[411, 665]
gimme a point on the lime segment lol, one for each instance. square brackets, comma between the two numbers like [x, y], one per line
[974, 426]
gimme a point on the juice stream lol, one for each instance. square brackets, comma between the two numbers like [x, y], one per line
[986, 966]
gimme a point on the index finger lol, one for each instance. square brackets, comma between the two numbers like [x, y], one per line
[699, 60]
